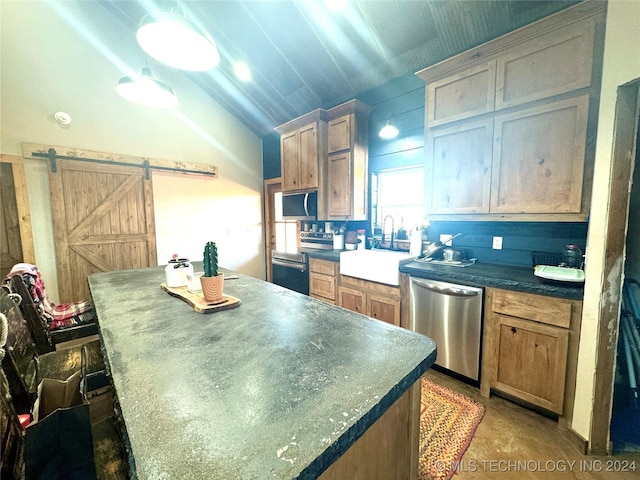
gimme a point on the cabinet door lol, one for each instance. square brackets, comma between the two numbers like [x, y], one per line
[289, 157]
[463, 95]
[351, 299]
[339, 181]
[458, 168]
[549, 65]
[383, 308]
[538, 158]
[322, 285]
[340, 133]
[532, 361]
[308, 159]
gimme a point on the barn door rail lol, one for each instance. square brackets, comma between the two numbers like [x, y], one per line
[53, 156]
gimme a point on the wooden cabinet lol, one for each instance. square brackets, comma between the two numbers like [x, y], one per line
[538, 158]
[463, 95]
[508, 134]
[531, 347]
[303, 152]
[345, 196]
[458, 177]
[376, 300]
[323, 280]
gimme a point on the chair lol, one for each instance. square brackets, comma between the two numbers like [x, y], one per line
[41, 317]
[23, 365]
[108, 449]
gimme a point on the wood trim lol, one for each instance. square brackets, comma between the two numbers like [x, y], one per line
[22, 202]
[622, 163]
[271, 186]
[29, 148]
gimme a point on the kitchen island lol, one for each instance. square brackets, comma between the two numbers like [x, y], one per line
[283, 386]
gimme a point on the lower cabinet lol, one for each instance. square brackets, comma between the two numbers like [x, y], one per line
[323, 279]
[531, 347]
[376, 300]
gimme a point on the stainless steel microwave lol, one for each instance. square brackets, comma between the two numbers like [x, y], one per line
[300, 206]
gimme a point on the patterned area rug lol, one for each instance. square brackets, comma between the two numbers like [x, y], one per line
[448, 421]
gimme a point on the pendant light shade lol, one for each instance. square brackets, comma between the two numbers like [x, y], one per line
[174, 40]
[389, 130]
[146, 90]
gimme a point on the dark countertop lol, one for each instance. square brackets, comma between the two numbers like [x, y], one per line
[279, 387]
[520, 279]
[331, 255]
[509, 277]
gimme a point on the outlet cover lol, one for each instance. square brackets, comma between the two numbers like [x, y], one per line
[497, 243]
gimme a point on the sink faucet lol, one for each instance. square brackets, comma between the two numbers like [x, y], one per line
[384, 222]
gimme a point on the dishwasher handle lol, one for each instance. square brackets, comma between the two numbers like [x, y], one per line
[457, 291]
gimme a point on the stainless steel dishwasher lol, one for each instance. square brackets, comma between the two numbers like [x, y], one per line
[451, 315]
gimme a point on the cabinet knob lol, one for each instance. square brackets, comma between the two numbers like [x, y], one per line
[513, 330]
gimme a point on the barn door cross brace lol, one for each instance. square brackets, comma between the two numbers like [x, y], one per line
[53, 156]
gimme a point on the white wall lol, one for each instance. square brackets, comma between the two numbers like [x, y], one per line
[69, 56]
[621, 65]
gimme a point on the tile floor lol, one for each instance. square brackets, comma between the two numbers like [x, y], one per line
[514, 442]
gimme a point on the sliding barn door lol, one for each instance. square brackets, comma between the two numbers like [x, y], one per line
[103, 221]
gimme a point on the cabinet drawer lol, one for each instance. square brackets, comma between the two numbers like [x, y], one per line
[540, 308]
[326, 267]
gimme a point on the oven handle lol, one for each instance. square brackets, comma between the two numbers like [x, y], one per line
[283, 263]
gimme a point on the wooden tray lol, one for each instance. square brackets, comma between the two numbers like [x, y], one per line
[197, 301]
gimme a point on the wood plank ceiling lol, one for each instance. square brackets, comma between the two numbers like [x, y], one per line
[304, 56]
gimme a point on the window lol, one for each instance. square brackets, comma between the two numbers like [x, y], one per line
[398, 192]
[285, 230]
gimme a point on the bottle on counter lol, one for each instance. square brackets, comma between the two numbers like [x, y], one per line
[572, 256]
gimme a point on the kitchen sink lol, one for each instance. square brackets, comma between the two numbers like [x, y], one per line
[376, 265]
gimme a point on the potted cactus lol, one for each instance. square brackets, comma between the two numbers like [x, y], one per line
[212, 281]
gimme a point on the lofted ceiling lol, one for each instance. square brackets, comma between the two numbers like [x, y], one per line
[304, 56]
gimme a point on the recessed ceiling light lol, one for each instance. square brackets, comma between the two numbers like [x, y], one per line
[242, 71]
[62, 118]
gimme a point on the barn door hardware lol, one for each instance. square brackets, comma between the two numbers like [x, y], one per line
[53, 156]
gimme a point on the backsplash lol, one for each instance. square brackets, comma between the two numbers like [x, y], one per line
[519, 239]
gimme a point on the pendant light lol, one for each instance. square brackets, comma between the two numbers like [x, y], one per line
[390, 130]
[173, 39]
[146, 90]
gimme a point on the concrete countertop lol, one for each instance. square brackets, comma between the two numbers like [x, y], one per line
[509, 277]
[279, 387]
[520, 279]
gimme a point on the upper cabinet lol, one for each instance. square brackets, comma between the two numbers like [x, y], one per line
[303, 150]
[327, 151]
[510, 125]
[346, 193]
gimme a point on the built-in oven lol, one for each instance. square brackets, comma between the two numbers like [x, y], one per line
[291, 269]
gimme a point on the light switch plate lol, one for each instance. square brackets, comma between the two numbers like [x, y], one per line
[497, 243]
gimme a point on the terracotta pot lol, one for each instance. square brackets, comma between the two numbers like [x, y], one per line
[212, 287]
